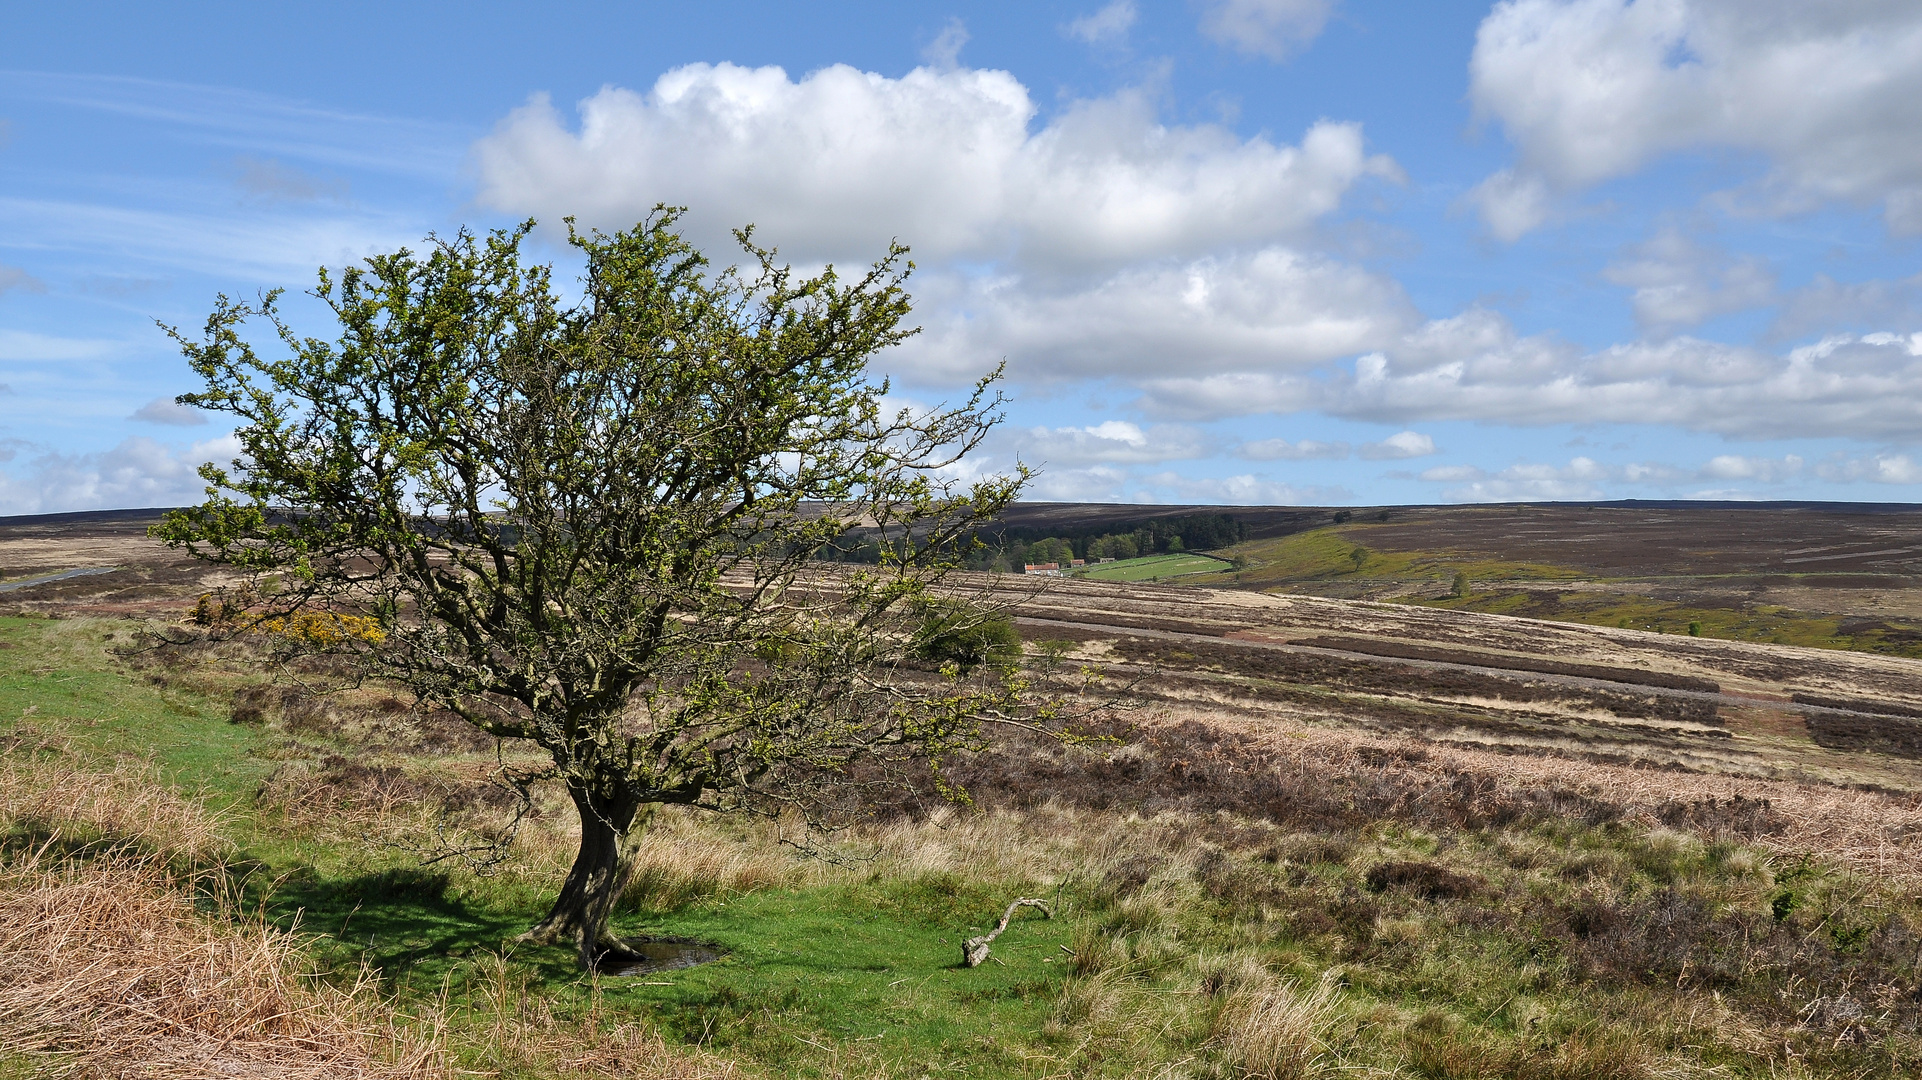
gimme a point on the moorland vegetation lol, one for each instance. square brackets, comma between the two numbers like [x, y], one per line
[1291, 900]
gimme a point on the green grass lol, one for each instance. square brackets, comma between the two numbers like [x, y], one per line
[1155, 567]
[61, 676]
[873, 965]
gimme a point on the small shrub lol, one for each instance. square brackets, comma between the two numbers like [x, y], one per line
[1096, 952]
[316, 629]
[1663, 855]
[222, 606]
[323, 629]
[959, 635]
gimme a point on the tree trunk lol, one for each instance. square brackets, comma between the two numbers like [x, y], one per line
[601, 871]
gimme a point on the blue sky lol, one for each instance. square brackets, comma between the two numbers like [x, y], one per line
[1246, 251]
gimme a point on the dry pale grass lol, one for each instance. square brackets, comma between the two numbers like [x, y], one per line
[687, 856]
[677, 861]
[1279, 1031]
[121, 804]
[107, 970]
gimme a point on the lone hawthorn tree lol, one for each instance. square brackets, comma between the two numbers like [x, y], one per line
[588, 525]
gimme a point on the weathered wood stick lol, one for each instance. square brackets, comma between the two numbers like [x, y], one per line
[975, 951]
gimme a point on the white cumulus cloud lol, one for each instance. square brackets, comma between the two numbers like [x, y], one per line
[139, 472]
[1109, 26]
[1283, 450]
[165, 410]
[1883, 468]
[1273, 309]
[1865, 386]
[1109, 442]
[1399, 446]
[1584, 478]
[1579, 480]
[838, 163]
[1738, 467]
[1476, 367]
[1828, 94]
[1245, 489]
[1826, 304]
[1680, 283]
[1512, 205]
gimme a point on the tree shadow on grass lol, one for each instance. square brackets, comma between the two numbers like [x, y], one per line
[406, 923]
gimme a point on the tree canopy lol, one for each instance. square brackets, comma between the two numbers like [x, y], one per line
[589, 524]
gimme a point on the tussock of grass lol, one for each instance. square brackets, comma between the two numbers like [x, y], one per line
[107, 969]
[1279, 1031]
[48, 797]
[677, 862]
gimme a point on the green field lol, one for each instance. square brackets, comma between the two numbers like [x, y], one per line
[1156, 567]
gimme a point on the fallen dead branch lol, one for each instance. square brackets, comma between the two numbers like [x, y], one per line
[975, 952]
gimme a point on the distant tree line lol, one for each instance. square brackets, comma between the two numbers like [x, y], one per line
[1008, 548]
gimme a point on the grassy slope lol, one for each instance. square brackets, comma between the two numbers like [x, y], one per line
[1170, 924]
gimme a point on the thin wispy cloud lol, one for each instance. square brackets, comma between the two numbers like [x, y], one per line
[12, 277]
[256, 124]
[1108, 26]
[1276, 29]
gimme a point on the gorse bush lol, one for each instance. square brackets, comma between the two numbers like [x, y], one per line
[234, 610]
[323, 629]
